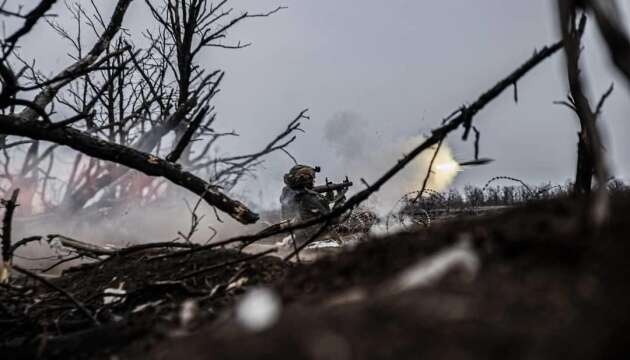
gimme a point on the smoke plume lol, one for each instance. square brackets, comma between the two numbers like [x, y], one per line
[362, 152]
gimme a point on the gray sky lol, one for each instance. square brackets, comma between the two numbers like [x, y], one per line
[401, 65]
[395, 68]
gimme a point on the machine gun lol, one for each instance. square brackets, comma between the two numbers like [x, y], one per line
[330, 186]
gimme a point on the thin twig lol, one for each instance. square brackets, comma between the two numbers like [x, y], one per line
[429, 171]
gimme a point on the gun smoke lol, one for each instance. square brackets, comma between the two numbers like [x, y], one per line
[361, 152]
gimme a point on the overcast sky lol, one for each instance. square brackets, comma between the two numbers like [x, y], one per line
[390, 71]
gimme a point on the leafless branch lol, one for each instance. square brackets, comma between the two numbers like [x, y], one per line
[30, 20]
[146, 163]
[429, 171]
[602, 100]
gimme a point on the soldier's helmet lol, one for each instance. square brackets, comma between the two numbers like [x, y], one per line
[300, 176]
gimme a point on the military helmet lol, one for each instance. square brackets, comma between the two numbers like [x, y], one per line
[300, 175]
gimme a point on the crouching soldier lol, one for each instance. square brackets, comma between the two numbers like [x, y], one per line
[302, 201]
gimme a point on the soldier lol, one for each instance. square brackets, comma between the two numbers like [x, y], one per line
[299, 201]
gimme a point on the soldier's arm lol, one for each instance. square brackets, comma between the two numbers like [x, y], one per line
[314, 204]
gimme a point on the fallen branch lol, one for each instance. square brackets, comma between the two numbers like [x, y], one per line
[142, 247]
[80, 246]
[134, 249]
[146, 163]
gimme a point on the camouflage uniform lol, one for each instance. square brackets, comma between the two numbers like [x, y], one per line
[297, 199]
[299, 202]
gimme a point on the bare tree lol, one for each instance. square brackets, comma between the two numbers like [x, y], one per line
[589, 145]
[590, 154]
[142, 115]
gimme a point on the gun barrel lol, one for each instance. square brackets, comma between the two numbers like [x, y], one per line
[331, 187]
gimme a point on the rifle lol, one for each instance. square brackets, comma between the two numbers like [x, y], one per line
[330, 186]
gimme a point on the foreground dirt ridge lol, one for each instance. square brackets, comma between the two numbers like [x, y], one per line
[528, 283]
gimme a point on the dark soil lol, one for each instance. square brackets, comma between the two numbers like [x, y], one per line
[53, 327]
[549, 287]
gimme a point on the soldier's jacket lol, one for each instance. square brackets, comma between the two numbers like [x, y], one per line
[303, 204]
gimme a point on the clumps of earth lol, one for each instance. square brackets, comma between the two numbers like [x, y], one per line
[527, 283]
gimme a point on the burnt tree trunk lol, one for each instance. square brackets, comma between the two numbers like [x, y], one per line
[585, 167]
[589, 145]
[9, 208]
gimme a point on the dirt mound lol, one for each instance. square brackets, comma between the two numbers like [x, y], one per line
[546, 289]
[131, 296]
[533, 282]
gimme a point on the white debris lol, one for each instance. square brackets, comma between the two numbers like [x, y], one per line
[214, 290]
[322, 244]
[118, 294]
[391, 226]
[259, 309]
[240, 282]
[143, 307]
[57, 245]
[286, 241]
[460, 256]
[188, 312]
